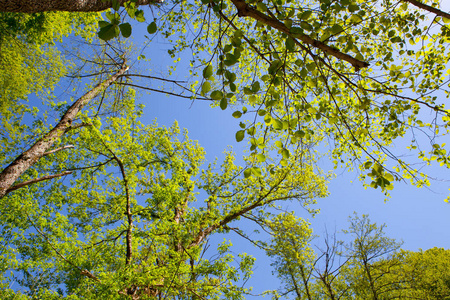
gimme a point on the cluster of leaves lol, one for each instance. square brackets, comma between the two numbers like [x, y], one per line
[113, 27]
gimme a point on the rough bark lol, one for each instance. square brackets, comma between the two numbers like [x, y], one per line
[33, 6]
[27, 159]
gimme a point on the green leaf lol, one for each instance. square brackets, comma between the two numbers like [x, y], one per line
[125, 29]
[336, 29]
[261, 157]
[237, 114]
[227, 48]
[240, 135]
[206, 87]
[108, 32]
[139, 14]
[247, 173]
[355, 19]
[216, 95]
[296, 31]
[285, 153]
[113, 17]
[151, 28]
[353, 7]
[207, 72]
[306, 26]
[223, 103]
[256, 171]
[367, 165]
[306, 15]
[102, 24]
[255, 87]
[130, 7]
[389, 177]
[290, 44]
[277, 124]
[115, 4]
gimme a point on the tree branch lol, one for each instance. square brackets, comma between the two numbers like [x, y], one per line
[245, 10]
[43, 178]
[129, 246]
[58, 149]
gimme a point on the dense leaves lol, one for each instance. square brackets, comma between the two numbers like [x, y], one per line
[137, 215]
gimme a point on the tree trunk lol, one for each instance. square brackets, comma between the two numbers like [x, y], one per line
[24, 161]
[33, 6]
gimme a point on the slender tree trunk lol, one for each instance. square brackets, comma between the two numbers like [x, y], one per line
[32, 6]
[27, 159]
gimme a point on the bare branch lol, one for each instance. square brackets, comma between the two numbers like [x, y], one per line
[164, 92]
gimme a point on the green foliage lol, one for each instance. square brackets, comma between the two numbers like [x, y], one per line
[30, 62]
[137, 214]
[135, 218]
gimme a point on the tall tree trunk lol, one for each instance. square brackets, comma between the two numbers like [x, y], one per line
[24, 161]
[32, 6]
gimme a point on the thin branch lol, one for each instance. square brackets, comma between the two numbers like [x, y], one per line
[58, 149]
[43, 178]
[164, 92]
[128, 212]
[153, 77]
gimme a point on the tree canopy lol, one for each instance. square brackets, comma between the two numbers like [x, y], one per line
[97, 204]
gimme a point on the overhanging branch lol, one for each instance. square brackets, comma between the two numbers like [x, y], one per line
[245, 10]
